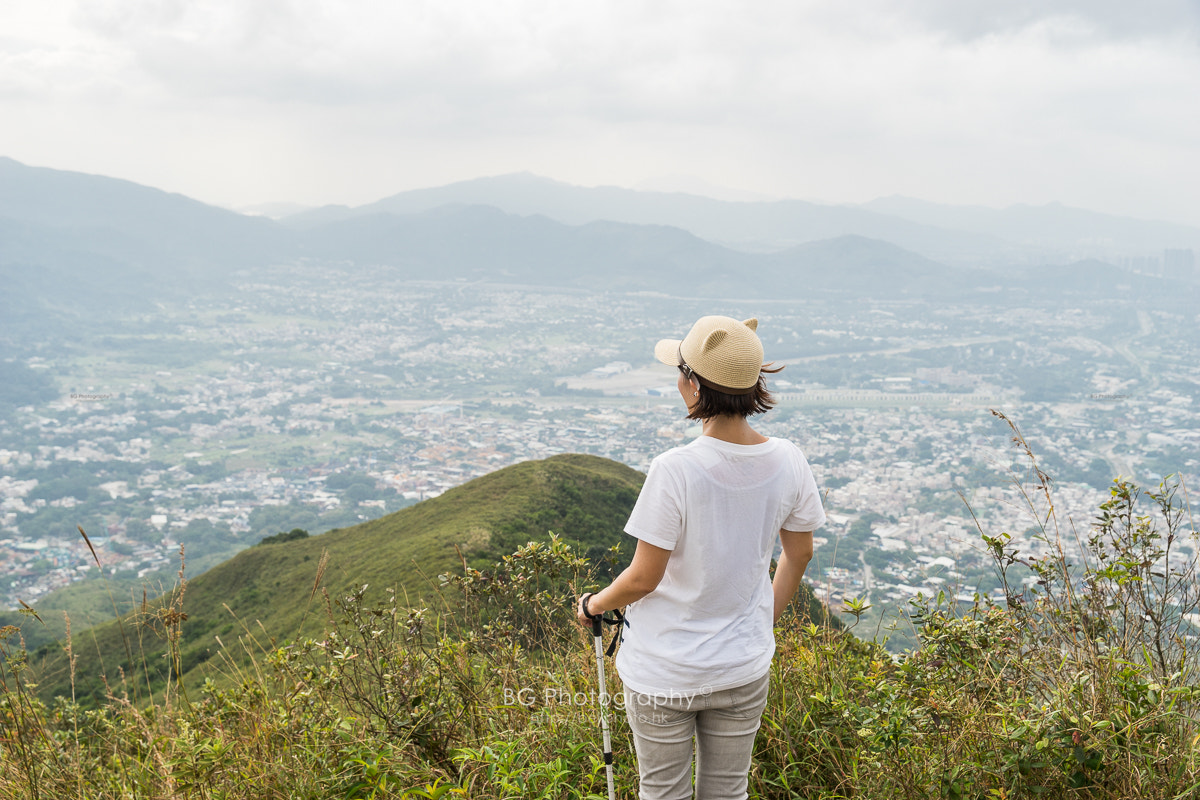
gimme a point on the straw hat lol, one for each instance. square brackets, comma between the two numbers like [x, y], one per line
[724, 354]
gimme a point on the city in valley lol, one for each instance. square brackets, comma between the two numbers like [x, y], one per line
[315, 400]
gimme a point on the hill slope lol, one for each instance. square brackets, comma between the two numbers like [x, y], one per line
[267, 589]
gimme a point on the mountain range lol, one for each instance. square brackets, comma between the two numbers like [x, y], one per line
[955, 235]
[75, 246]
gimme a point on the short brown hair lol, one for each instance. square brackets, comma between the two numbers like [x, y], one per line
[713, 403]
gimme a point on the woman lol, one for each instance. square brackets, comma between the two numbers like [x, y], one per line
[697, 646]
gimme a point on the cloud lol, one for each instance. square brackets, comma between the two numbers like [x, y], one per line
[952, 99]
[1093, 20]
[456, 60]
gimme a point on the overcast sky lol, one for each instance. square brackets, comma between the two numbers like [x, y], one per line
[1093, 103]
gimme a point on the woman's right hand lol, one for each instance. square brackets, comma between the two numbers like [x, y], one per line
[581, 610]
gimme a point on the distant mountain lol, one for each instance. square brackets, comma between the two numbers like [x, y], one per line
[273, 210]
[76, 248]
[971, 236]
[483, 243]
[79, 247]
[750, 226]
[89, 244]
[850, 263]
[147, 228]
[1054, 225]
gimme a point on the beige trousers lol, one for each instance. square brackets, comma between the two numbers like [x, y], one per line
[717, 728]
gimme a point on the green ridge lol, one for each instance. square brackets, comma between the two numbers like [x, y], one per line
[267, 590]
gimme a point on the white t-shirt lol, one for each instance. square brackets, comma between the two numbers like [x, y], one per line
[718, 507]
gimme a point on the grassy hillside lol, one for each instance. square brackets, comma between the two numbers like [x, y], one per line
[1083, 684]
[269, 589]
[396, 702]
[94, 601]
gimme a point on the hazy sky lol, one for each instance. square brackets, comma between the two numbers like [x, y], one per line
[1094, 103]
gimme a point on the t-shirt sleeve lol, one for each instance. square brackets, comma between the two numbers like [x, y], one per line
[807, 515]
[657, 516]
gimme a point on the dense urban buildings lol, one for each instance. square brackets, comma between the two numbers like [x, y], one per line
[314, 404]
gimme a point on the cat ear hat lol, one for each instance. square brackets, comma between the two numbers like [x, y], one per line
[723, 353]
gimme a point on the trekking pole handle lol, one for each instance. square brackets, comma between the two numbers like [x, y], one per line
[597, 619]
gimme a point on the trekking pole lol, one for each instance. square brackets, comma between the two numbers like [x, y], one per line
[598, 640]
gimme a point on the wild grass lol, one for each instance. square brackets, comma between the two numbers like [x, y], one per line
[1082, 685]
